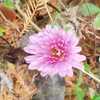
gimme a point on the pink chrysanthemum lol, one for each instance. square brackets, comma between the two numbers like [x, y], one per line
[54, 51]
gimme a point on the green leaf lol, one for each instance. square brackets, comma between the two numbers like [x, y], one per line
[2, 30]
[1, 33]
[96, 97]
[96, 22]
[9, 4]
[86, 67]
[80, 79]
[88, 9]
[79, 93]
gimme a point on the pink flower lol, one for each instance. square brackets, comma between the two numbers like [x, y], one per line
[54, 51]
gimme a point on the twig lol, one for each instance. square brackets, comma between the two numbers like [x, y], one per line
[6, 42]
[46, 7]
[49, 4]
[91, 75]
[35, 26]
[62, 4]
[28, 17]
[8, 22]
[20, 11]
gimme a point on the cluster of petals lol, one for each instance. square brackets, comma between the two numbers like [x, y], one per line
[54, 51]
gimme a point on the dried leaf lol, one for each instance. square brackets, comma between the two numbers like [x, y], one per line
[8, 13]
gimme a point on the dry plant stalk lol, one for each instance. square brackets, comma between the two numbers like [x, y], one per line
[29, 11]
[25, 18]
[21, 89]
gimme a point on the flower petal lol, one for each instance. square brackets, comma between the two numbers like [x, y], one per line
[75, 49]
[29, 59]
[68, 72]
[31, 49]
[72, 39]
[33, 66]
[79, 57]
[78, 65]
[49, 61]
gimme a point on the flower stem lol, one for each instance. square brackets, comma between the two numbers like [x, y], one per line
[91, 75]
